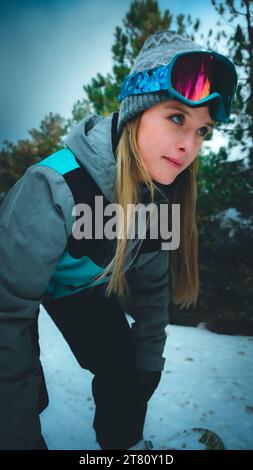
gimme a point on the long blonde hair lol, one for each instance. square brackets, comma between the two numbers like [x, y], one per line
[183, 191]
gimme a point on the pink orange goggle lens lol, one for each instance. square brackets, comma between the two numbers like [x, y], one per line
[192, 75]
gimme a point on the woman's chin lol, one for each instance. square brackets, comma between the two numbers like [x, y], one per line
[165, 180]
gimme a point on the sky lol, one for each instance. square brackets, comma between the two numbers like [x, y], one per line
[207, 383]
[50, 49]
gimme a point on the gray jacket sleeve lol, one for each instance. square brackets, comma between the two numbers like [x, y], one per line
[148, 304]
[33, 235]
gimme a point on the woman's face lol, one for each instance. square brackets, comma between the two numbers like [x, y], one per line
[171, 130]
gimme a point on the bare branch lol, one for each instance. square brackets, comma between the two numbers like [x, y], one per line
[238, 12]
[227, 23]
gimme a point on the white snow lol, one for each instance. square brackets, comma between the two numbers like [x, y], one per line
[207, 382]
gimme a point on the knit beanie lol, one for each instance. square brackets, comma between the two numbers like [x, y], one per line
[158, 49]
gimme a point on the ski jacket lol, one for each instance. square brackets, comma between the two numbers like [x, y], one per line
[40, 257]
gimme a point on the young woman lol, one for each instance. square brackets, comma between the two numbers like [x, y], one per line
[51, 253]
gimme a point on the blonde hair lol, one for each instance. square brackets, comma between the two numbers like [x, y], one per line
[184, 262]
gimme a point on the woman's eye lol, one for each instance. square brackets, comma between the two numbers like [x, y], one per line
[204, 132]
[180, 116]
[179, 120]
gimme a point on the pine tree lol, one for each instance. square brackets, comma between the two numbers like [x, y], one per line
[16, 158]
[239, 47]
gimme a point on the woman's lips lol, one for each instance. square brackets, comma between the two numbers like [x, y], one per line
[173, 161]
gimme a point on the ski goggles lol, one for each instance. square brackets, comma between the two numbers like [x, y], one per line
[194, 78]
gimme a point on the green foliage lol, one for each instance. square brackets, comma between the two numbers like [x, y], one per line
[80, 109]
[238, 42]
[16, 158]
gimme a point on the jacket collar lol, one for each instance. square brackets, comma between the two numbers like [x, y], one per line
[94, 141]
[115, 136]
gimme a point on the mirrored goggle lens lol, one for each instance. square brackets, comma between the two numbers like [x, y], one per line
[196, 76]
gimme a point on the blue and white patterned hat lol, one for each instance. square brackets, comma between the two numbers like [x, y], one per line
[158, 49]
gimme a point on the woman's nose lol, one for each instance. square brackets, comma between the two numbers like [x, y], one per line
[186, 142]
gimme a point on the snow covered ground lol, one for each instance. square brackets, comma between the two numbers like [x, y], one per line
[207, 382]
